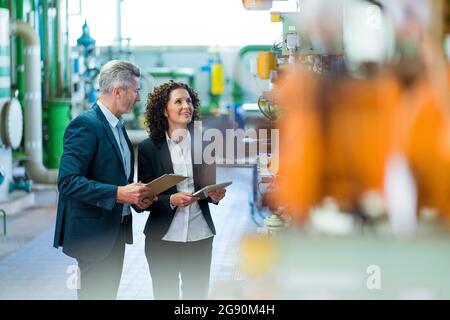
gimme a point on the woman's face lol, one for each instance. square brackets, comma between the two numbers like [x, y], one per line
[179, 109]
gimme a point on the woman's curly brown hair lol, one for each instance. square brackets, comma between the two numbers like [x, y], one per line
[155, 121]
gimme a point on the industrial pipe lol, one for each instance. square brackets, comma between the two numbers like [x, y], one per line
[33, 105]
[119, 23]
[173, 73]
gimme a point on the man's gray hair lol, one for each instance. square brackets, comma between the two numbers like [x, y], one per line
[117, 73]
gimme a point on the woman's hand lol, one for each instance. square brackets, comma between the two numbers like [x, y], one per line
[217, 195]
[182, 199]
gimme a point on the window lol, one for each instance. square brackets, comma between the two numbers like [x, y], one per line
[101, 22]
[176, 22]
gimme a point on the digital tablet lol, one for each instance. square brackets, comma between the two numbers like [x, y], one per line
[203, 192]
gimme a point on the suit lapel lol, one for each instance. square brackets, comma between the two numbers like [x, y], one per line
[130, 146]
[166, 161]
[109, 133]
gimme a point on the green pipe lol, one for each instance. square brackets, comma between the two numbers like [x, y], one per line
[4, 4]
[237, 93]
[214, 101]
[46, 56]
[254, 48]
[4, 221]
[174, 73]
[43, 27]
[49, 42]
[58, 120]
[62, 50]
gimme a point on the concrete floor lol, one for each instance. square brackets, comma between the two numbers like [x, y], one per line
[30, 268]
[26, 224]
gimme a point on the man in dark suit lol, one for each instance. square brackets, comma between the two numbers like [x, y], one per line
[96, 186]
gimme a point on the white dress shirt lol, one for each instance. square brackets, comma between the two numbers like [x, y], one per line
[188, 224]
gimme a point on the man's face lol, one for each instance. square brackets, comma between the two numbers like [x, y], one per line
[129, 96]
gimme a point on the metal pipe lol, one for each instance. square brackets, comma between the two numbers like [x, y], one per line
[33, 105]
[118, 23]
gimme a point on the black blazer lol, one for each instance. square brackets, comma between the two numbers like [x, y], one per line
[91, 168]
[153, 161]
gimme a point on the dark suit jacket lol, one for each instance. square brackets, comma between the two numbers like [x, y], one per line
[153, 161]
[91, 169]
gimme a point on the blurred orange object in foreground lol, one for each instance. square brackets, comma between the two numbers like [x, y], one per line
[427, 144]
[335, 138]
[299, 183]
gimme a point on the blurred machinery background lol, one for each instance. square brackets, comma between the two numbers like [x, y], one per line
[347, 109]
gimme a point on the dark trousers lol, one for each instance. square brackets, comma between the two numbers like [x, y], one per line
[169, 262]
[99, 280]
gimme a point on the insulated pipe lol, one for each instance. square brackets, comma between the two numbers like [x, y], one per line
[33, 105]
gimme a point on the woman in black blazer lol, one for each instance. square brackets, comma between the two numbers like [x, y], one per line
[179, 231]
